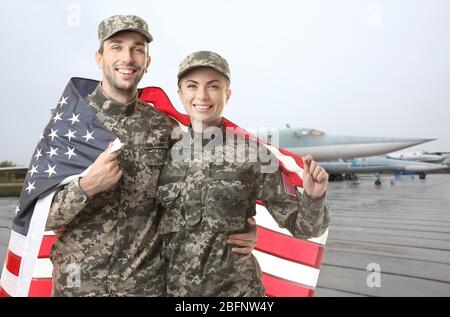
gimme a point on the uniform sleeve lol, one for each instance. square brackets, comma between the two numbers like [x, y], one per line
[303, 216]
[67, 203]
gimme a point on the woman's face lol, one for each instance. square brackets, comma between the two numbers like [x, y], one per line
[204, 93]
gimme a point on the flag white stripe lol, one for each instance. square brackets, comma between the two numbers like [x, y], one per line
[29, 246]
[32, 244]
[9, 282]
[288, 162]
[287, 270]
[43, 268]
[16, 243]
[264, 219]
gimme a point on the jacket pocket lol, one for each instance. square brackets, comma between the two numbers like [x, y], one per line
[153, 154]
[168, 198]
[142, 165]
[225, 210]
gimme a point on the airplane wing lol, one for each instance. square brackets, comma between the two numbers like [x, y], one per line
[13, 169]
[380, 165]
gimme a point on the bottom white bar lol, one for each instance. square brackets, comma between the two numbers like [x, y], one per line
[287, 270]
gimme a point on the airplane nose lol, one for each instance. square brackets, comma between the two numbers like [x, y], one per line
[416, 141]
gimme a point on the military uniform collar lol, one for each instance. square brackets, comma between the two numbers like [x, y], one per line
[110, 106]
[221, 126]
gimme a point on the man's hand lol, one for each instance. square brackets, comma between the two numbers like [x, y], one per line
[104, 173]
[245, 242]
[315, 179]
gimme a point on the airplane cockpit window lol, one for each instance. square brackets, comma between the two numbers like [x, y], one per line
[312, 132]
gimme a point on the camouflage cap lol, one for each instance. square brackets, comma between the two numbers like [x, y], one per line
[204, 59]
[118, 23]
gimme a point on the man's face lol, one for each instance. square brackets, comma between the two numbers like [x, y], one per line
[124, 60]
[204, 93]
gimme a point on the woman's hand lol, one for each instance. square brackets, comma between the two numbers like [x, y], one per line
[245, 242]
[315, 179]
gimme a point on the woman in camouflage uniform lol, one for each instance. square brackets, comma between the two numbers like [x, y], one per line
[206, 193]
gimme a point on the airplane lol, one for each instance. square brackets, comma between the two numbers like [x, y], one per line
[421, 156]
[379, 165]
[326, 147]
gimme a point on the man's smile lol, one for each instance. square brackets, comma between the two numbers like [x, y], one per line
[126, 72]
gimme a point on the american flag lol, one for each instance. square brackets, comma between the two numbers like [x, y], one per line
[69, 144]
[72, 141]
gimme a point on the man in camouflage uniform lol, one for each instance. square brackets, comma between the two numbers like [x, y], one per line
[209, 187]
[109, 245]
[108, 215]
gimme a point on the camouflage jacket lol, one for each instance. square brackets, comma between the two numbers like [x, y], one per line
[111, 247]
[206, 195]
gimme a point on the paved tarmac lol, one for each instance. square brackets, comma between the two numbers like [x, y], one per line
[401, 231]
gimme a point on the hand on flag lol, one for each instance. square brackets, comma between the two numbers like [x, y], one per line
[315, 179]
[104, 173]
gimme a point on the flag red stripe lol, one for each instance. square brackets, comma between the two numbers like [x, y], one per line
[295, 178]
[277, 287]
[40, 287]
[289, 248]
[46, 246]
[13, 263]
[161, 101]
[3, 293]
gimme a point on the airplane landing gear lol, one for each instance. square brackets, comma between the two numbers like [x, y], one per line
[422, 175]
[354, 178]
[378, 181]
[335, 177]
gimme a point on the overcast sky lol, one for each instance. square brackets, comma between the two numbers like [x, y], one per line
[355, 67]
